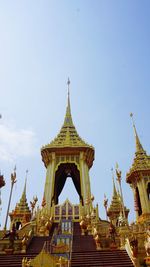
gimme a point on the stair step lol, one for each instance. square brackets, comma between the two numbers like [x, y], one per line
[84, 253]
[36, 245]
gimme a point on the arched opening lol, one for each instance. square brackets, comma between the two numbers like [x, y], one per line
[69, 191]
[138, 201]
[18, 225]
[64, 171]
[148, 190]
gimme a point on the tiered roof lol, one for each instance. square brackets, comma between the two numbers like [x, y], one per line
[68, 138]
[115, 207]
[141, 161]
[22, 208]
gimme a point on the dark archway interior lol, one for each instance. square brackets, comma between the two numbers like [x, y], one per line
[148, 190]
[138, 202]
[18, 225]
[66, 170]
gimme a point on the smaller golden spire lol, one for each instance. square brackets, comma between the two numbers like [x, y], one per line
[141, 160]
[114, 187]
[137, 140]
[23, 198]
[22, 209]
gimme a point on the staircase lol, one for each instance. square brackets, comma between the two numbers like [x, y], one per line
[36, 245]
[37, 242]
[84, 253]
[14, 260]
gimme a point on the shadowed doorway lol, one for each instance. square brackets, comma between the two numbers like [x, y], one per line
[64, 171]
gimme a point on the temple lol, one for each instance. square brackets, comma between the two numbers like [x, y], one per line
[66, 234]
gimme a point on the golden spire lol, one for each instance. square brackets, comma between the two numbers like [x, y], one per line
[23, 205]
[68, 118]
[137, 140]
[114, 187]
[22, 208]
[113, 211]
[23, 198]
[67, 137]
[141, 161]
[68, 83]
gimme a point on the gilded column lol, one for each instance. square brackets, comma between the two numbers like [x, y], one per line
[136, 206]
[82, 178]
[147, 206]
[142, 197]
[48, 192]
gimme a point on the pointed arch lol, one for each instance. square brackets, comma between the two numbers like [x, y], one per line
[148, 190]
[138, 201]
[66, 170]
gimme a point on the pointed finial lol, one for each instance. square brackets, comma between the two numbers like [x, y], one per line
[68, 118]
[114, 187]
[26, 177]
[26, 174]
[68, 83]
[117, 166]
[138, 144]
[25, 181]
[25, 184]
[118, 173]
[105, 201]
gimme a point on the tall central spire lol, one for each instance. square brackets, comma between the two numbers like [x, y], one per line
[68, 137]
[68, 118]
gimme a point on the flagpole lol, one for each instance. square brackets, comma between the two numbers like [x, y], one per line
[13, 181]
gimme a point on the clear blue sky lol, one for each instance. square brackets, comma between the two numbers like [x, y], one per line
[103, 46]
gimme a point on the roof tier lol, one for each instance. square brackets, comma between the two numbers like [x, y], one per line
[116, 205]
[22, 208]
[141, 161]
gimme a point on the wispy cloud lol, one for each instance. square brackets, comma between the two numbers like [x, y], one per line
[15, 142]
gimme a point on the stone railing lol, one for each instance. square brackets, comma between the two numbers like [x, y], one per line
[19, 243]
[132, 252]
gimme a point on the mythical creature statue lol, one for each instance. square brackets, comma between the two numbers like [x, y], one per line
[147, 242]
[12, 235]
[134, 246]
[112, 232]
